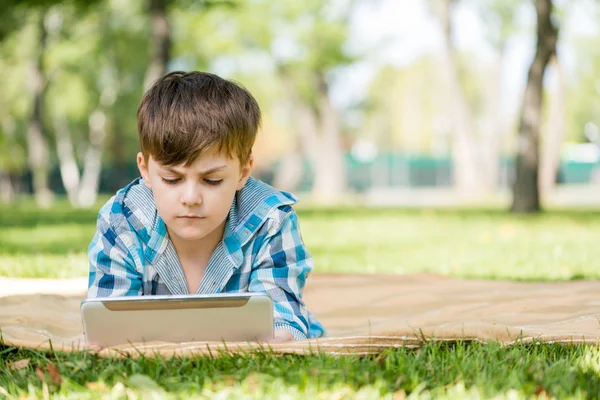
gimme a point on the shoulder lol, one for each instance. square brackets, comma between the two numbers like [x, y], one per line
[257, 194]
[259, 210]
[130, 210]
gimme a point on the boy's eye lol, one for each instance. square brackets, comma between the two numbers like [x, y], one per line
[170, 181]
[213, 182]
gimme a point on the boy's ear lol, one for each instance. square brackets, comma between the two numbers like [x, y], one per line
[245, 172]
[143, 167]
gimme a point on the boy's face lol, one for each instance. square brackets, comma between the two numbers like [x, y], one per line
[194, 201]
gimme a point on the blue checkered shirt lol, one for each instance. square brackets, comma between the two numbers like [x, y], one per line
[261, 251]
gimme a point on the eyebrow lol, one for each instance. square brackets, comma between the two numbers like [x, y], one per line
[205, 172]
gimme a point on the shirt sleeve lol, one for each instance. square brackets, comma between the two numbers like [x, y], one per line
[280, 269]
[112, 268]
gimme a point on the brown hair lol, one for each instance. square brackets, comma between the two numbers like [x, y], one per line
[185, 113]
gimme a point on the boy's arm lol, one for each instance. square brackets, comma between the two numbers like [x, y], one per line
[112, 268]
[280, 269]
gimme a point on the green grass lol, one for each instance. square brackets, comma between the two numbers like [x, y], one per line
[559, 245]
[488, 244]
[457, 370]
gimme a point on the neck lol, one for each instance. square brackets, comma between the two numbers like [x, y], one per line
[202, 248]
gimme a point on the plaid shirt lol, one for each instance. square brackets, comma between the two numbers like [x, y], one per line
[261, 251]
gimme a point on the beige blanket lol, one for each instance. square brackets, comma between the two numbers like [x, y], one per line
[362, 314]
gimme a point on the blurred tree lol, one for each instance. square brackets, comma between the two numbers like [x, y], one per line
[466, 171]
[93, 66]
[403, 110]
[14, 110]
[305, 43]
[86, 82]
[584, 94]
[554, 129]
[526, 196]
[499, 20]
[161, 32]
[37, 137]
[14, 14]
[7, 191]
[160, 40]
[125, 59]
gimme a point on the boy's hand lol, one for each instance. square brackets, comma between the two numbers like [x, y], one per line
[282, 335]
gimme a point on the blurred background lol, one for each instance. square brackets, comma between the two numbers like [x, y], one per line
[371, 102]
[417, 133]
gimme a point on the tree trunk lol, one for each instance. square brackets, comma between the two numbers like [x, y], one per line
[7, 192]
[82, 191]
[465, 169]
[493, 129]
[117, 139]
[330, 172]
[307, 136]
[117, 150]
[69, 171]
[319, 139]
[37, 142]
[555, 130]
[160, 41]
[526, 196]
[92, 167]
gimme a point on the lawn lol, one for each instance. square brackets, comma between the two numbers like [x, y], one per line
[557, 245]
[453, 371]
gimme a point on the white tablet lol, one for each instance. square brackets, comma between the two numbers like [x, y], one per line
[239, 317]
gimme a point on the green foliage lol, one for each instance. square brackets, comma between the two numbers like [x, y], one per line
[305, 39]
[457, 370]
[14, 107]
[14, 12]
[97, 54]
[499, 17]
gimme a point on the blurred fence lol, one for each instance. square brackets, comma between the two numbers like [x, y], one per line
[394, 170]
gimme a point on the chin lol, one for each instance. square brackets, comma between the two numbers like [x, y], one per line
[189, 234]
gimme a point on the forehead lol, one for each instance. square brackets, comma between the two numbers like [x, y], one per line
[206, 160]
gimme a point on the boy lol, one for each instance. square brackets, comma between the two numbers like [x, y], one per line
[196, 222]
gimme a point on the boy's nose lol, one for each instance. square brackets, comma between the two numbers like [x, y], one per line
[191, 195]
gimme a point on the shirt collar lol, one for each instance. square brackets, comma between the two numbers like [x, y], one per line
[249, 210]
